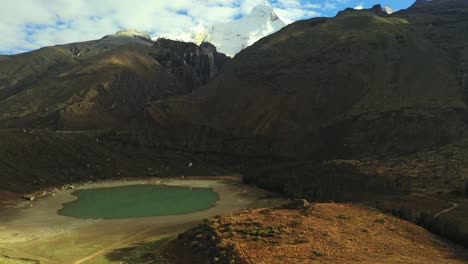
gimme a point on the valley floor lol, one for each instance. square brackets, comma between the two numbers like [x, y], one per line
[33, 231]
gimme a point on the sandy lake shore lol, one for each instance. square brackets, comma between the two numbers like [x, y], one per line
[33, 230]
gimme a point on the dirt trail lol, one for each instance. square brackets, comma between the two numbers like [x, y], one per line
[454, 205]
[113, 246]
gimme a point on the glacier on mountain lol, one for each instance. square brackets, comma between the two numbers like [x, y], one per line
[388, 9]
[231, 37]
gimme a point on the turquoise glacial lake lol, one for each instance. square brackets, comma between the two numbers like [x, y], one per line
[137, 201]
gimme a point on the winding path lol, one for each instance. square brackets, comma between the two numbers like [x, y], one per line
[454, 205]
[436, 215]
[113, 246]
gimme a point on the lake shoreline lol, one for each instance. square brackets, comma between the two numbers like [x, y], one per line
[138, 200]
[35, 226]
[12, 199]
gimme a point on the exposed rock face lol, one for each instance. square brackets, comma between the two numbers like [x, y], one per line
[29, 197]
[376, 9]
[199, 63]
[100, 84]
[363, 83]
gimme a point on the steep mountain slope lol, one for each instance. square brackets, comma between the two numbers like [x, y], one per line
[99, 84]
[302, 110]
[55, 93]
[20, 70]
[231, 37]
[358, 84]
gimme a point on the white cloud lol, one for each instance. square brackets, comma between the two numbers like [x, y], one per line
[292, 14]
[27, 25]
[359, 7]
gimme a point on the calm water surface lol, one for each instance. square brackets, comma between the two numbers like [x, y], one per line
[138, 201]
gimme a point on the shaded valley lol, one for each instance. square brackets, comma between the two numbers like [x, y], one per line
[366, 107]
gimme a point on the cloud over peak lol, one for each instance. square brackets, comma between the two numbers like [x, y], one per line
[27, 25]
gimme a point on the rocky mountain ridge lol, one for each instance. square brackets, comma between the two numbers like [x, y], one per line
[359, 80]
[231, 37]
[99, 84]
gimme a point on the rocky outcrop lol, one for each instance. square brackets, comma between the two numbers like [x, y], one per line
[29, 197]
[198, 63]
[353, 85]
[376, 9]
[105, 83]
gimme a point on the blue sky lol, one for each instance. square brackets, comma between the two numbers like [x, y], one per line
[395, 4]
[29, 25]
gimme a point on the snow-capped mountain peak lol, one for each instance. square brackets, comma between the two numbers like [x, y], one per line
[231, 37]
[263, 10]
[133, 33]
[388, 9]
[195, 34]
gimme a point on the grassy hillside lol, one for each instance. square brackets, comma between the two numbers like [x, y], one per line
[18, 72]
[96, 88]
[321, 233]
